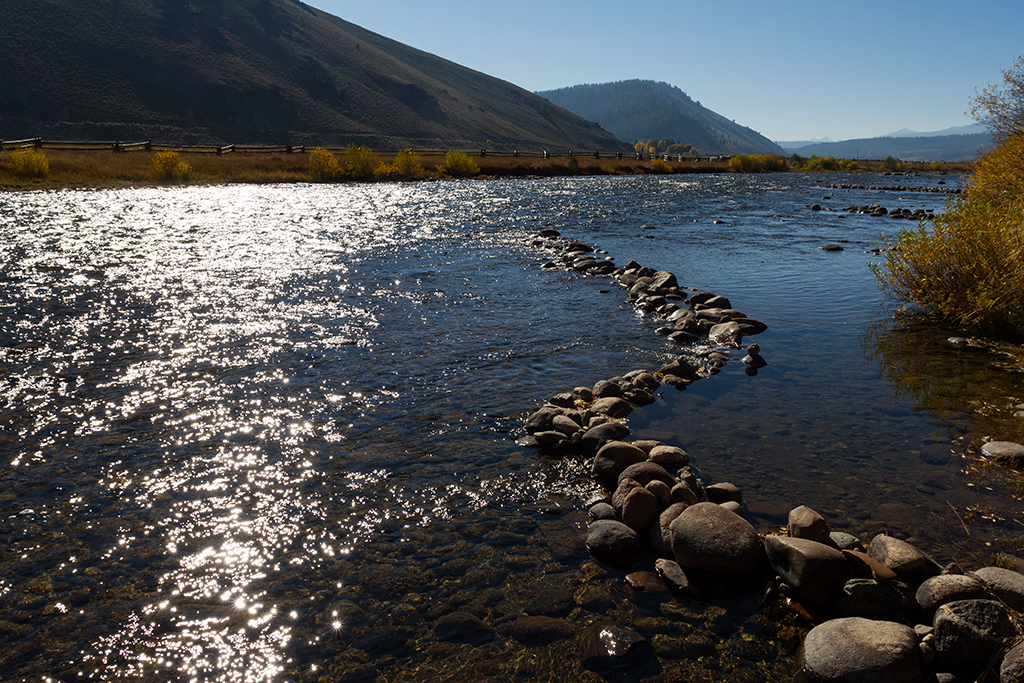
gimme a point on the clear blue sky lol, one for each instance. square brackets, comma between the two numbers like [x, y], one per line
[789, 69]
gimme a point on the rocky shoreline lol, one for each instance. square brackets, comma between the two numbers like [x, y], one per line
[883, 610]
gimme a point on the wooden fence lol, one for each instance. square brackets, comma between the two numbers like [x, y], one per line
[150, 146]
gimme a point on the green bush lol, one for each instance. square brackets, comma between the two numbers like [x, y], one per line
[458, 164]
[360, 162]
[169, 167]
[816, 163]
[408, 165]
[29, 163]
[323, 165]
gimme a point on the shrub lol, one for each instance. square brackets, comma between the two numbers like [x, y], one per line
[29, 163]
[999, 175]
[169, 167]
[758, 163]
[323, 165]
[816, 163]
[458, 164]
[407, 165]
[360, 162]
[659, 166]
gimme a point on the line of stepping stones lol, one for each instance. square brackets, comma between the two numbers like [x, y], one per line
[885, 611]
[896, 188]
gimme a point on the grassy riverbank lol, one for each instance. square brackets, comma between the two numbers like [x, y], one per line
[88, 168]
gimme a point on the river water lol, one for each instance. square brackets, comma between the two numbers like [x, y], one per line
[267, 433]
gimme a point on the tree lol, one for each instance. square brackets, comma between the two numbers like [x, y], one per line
[1001, 107]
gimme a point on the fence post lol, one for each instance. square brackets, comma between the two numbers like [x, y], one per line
[596, 154]
[546, 155]
[483, 152]
[149, 145]
[618, 155]
[569, 154]
[37, 143]
[515, 153]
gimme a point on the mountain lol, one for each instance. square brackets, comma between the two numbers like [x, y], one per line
[645, 110]
[956, 130]
[797, 144]
[275, 71]
[933, 148]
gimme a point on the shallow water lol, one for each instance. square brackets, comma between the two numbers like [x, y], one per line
[267, 433]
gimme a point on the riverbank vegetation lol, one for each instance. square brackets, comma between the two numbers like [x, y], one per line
[967, 268]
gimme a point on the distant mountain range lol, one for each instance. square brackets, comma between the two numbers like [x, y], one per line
[917, 148]
[644, 110]
[274, 71]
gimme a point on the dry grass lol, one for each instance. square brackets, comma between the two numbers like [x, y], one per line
[98, 168]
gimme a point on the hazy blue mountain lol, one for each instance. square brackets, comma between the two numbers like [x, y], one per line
[644, 110]
[253, 71]
[972, 129]
[932, 148]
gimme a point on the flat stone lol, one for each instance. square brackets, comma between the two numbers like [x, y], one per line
[1012, 668]
[674, 575]
[612, 406]
[867, 567]
[669, 457]
[708, 537]
[876, 599]
[645, 471]
[726, 491]
[1005, 451]
[608, 649]
[857, 649]
[597, 436]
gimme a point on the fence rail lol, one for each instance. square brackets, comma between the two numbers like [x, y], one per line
[150, 146]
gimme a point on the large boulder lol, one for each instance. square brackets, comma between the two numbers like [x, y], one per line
[640, 509]
[669, 457]
[968, 633]
[909, 563]
[855, 649]
[596, 437]
[814, 570]
[541, 420]
[645, 472]
[706, 536]
[612, 406]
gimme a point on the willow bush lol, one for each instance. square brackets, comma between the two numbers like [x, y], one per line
[968, 267]
[29, 163]
[360, 162]
[170, 167]
[323, 165]
[758, 163]
[458, 164]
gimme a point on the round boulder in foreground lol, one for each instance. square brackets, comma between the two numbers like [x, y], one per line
[706, 536]
[856, 649]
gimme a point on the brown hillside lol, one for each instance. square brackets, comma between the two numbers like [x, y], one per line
[253, 71]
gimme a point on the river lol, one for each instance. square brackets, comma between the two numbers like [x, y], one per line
[267, 433]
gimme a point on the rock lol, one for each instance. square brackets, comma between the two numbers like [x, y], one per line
[565, 425]
[1012, 669]
[646, 581]
[661, 491]
[645, 471]
[968, 633]
[681, 368]
[541, 421]
[814, 570]
[598, 436]
[1003, 451]
[602, 511]
[720, 493]
[687, 477]
[727, 334]
[669, 457]
[640, 509]
[536, 631]
[845, 541]
[733, 506]
[462, 627]
[806, 523]
[946, 588]
[708, 537]
[854, 649]
[609, 537]
[607, 388]
[753, 358]
[909, 563]
[622, 491]
[613, 458]
[612, 406]
[1007, 585]
[584, 394]
[659, 536]
[664, 280]
[875, 599]
[610, 650]
[681, 493]
[866, 566]
[830, 247]
[674, 575]
[716, 302]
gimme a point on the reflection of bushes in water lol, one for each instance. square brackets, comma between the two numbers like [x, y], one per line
[972, 383]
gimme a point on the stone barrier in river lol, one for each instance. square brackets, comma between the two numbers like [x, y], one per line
[884, 610]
